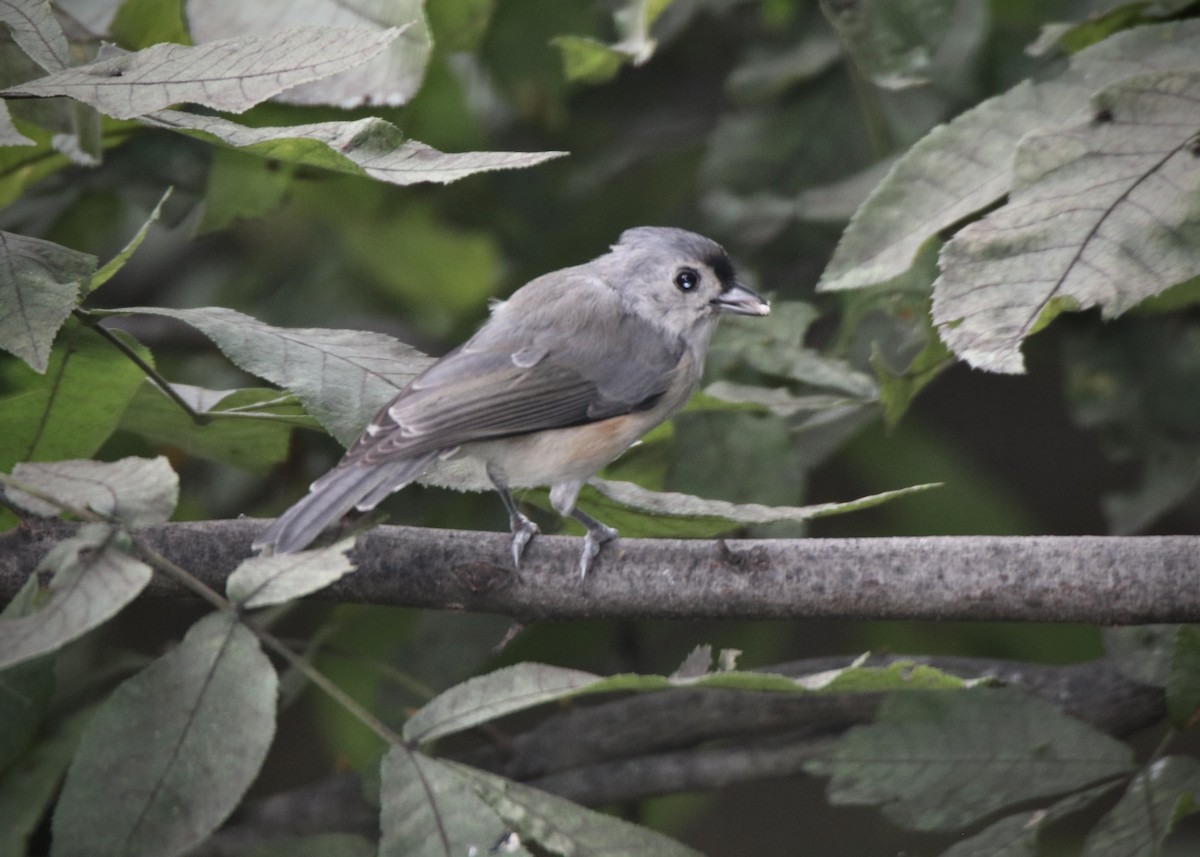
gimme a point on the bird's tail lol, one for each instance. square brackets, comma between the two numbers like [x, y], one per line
[345, 487]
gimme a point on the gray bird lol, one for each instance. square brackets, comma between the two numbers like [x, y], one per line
[562, 378]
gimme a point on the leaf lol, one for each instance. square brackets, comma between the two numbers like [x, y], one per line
[26, 689]
[266, 580]
[962, 167]
[39, 286]
[316, 845]
[391, 78]
[941, 762]
[687, 505]
[510, 689]
[587, 60]
[142, 23]
[892, 42]
[771, 71]
[170, 753]
[1017, 835]
[428, 809]
[562, 827]
[1153, 804]
[69, 411]
[93, 579]
[341, 376]
[1100, 214]
[9, 135]
[138, 492]
[1142, 652]
[1183, 685]
[36, 32]
[255, 439]
[368, 146]
[30, 785]
[117, 262]
[232, 74]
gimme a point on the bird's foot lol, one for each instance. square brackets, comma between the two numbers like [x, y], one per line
[523, 530]
[597, 535]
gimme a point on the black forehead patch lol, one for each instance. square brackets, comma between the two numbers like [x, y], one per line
[722, 267]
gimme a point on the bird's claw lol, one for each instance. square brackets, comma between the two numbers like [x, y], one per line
[523, 530]
[596, 537]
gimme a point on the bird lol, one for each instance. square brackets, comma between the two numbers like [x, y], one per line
[565, 375]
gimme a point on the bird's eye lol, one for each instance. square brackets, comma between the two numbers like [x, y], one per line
[686, 280]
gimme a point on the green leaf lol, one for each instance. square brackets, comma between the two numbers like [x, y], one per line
[316, 845]
[941, 762]
[248, 428]
[69, 411]
[460, 25]
[142, 23]
[170, 753]
[117, 262]
[1142, 652]
[36, 31]
[232, 74]
[29, 786]
[265, 580]
[562, 827]
[1153, 804]
[391, 78]
[138, 492]
[1099, 215]
[587, 60]
[964, 166]
[26, 689]
[342, 376]
[39, 286]
[368, 146]
[93, 579]
[241, 186]
[429, 809]
[1183, 684]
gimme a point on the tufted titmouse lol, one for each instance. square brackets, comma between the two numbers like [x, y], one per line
[562, 378]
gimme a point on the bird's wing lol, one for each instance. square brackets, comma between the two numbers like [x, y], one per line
[551, 358]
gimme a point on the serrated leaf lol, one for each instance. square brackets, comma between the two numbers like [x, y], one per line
[1100, 214]
[1183, 684]
[688, 505]
[391, 78]
[962, 167]
[36, 31]
[367, 146]
[341, 376]
[71, 409]
[231, 74]
[138, 492]
[40, 283]
[1149, 810]
[1017, 835]
[171, 752]
[93, 579]
[941, 762]
[562, 827]
[117, 262]
[265, 580]
[428, 809]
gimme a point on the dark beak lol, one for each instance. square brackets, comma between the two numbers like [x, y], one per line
[740, 300]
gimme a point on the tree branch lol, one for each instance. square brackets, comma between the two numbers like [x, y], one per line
[1096, 579]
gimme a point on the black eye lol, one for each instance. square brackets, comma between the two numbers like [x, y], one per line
[686, 280]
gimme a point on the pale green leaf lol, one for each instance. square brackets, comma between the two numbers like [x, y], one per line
[341, 376]
[944, 761]
[9, 135]
[391, 78]
[117, 262]
[36, 32]
[1142, 652]
[170, 753]
[93, 579]
[368, 146]
[265, 580]
[1183, 684]
[232, 74]
[429, 809]
[962, 167]
[590, 61]
[39, 286]
[1017, 835]
[138, 492]
[1101, 214]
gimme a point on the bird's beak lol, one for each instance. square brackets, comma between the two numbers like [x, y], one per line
[740, 300]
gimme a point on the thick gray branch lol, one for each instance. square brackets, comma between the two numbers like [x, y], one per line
[1096, 579]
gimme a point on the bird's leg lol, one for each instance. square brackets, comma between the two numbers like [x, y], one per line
[597, 535]
[522, 528]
